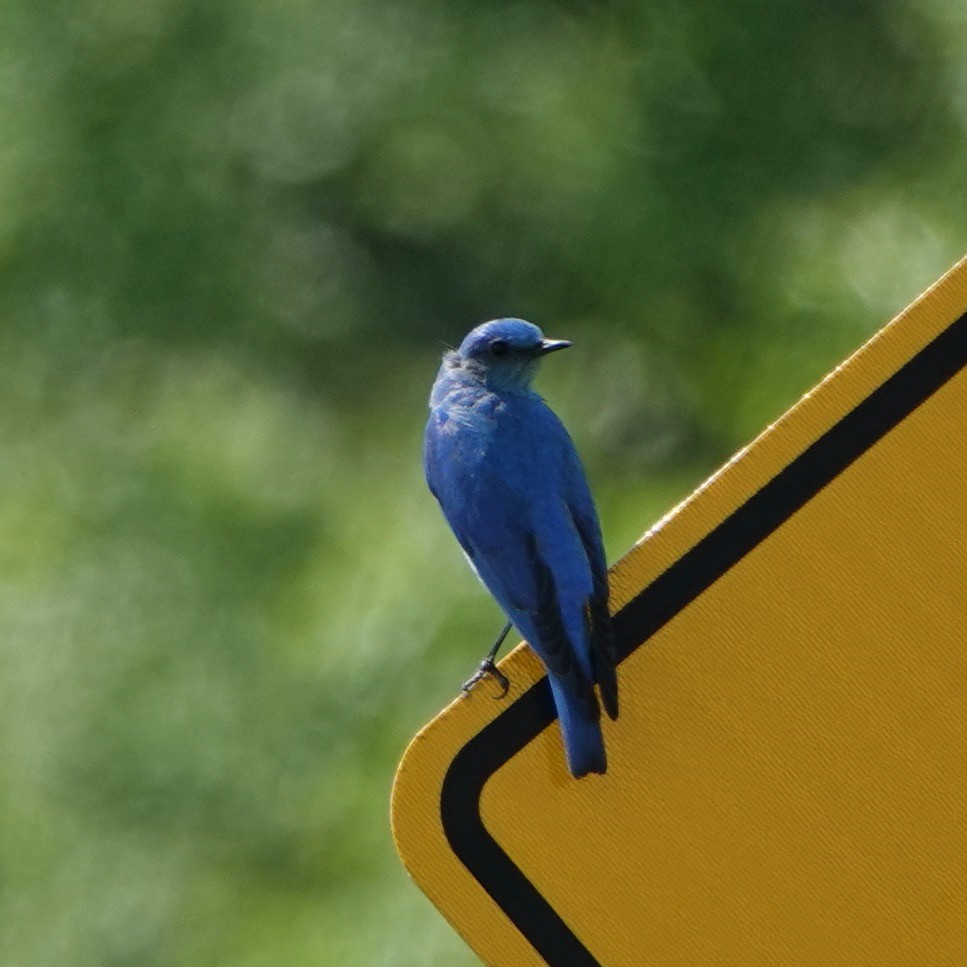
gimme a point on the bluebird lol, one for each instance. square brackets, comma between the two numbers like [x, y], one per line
[511, 486]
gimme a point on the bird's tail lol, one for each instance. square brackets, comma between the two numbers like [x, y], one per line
[581, 729]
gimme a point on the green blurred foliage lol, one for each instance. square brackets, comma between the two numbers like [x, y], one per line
[234, 237]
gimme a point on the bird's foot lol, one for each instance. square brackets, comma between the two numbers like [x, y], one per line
[488, 669]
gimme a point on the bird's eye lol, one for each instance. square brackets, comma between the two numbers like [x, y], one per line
[500, 347]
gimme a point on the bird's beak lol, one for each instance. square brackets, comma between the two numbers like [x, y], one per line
[553, 345]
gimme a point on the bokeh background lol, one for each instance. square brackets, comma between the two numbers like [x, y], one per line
[235, 237]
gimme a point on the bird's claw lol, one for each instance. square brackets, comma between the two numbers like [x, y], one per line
[488, 669]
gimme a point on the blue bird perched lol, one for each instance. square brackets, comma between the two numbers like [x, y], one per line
[512, 488]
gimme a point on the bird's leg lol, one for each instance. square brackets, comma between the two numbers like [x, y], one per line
[487, 667]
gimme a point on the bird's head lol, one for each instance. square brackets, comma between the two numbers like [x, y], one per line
[506, 351]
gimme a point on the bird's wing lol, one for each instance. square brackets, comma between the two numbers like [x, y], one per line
[489, 499]
[581, 507]
[519, 560]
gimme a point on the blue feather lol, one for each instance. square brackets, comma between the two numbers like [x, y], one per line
[513, 490]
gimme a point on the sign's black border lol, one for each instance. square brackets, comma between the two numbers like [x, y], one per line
[652, 608]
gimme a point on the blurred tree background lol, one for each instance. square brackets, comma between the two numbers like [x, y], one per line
[234, 239]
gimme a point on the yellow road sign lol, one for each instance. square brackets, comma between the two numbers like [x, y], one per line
[787, 781]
